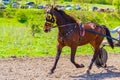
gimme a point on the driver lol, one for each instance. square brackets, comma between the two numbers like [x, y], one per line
[117, 29]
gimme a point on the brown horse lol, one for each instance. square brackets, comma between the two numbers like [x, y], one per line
[73, 34]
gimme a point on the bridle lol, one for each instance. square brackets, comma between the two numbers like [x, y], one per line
[51, 20]
[70, 24]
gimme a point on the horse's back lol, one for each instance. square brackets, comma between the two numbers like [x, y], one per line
[91, 33]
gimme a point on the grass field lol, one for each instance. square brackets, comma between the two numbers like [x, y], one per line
[16, 38]
[18, 41]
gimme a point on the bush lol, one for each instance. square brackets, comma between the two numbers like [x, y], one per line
[21, 16]
[35, 28]
[1, 13]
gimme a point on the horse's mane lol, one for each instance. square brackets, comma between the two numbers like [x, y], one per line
[66, 16]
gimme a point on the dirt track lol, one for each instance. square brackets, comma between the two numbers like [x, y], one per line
[37, 69]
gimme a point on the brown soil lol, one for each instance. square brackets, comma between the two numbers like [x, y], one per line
[26, 68]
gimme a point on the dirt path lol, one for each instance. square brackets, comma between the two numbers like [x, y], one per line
[37, 69]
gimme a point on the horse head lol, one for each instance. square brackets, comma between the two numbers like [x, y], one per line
[58, 17]
[50, 19]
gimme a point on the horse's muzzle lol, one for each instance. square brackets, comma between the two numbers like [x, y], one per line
[46, 30]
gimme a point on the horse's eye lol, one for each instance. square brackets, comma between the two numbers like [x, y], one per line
[48, 17]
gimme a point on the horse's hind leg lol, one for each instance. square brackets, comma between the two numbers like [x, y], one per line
[73, 52]
[96, 46]
[59, 49]
[93, 60]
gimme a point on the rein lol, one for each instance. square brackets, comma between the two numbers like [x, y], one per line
[101, 34]
[64, 25]
[86, 30]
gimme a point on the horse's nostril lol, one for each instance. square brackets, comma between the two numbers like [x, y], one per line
[45, 30]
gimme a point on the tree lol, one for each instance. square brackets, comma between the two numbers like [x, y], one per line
[109, 1]
[116, 3]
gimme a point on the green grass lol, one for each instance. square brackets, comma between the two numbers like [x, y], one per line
[18, 41]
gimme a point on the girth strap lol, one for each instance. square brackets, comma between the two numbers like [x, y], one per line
[81, 30]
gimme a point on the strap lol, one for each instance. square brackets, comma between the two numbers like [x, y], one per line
[81, 30]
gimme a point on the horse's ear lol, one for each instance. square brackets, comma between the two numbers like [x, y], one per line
[52, 8]
[47, 8]
[56, 7]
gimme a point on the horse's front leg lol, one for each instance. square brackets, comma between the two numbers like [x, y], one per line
[59, 49]
[73, 52]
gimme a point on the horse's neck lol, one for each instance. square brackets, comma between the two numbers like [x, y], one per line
[65, 29]
[63, 24]
[62, 29]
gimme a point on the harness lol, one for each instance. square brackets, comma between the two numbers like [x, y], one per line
[80, 27]
[82, 30]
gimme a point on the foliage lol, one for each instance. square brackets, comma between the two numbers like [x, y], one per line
[117, 4]
[101, 18]
[22, 16]
[8, 13]
[78, 1]
[1, 13]
[91, 1]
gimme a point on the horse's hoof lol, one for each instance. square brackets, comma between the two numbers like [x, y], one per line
[105, 66]
[51, 72]
[88, 72]
[82, 65]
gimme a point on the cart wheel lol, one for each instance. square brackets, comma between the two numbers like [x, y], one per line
[101, 60]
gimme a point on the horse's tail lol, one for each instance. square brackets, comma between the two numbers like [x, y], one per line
[109, 39]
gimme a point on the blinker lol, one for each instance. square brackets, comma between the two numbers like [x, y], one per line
[51, 19]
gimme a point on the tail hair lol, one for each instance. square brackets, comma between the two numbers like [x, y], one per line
[110, 41]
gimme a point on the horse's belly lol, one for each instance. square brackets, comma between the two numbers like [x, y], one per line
[69, 42]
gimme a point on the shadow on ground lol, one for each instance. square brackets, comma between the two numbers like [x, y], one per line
[99, 76]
